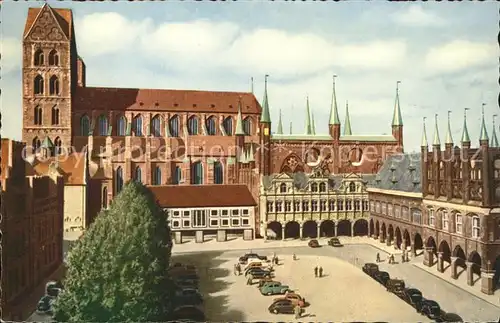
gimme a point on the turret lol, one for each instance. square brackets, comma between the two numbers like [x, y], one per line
[449, 139]
[347, 123]
[308, 129]
[397, 119]
[424, 149]
[265, 135]
[465, 140]
[436, 159]
[483, 137]
[239, 133]
[279, 131]
[494, 139]
[448, 173]
[465, 159]
[486, 169]
[334, 123]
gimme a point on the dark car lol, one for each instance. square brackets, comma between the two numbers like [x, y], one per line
[431, 309]
[396, 286]
[184, 275]
[258, 273]
[314, 243]
[188, 296]
[335, 242]
[44, 305]
[413, 297]
[245, 257]
[382, 277]
[182, 284]
[370, 269]
[282, 306]
[188, 313]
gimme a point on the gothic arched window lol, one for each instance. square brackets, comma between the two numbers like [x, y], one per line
[193, 125]
[157, 176]
[38, 85]
[54, 85]
[55, 115]
[38, 116]
[197, 173]
[138, 174]
[173, 124]
[119, 180]
[218, 173]
[122, 126]
[84, 126]
[176, 178]
[57, 146]
[137, 126]
[36, 143]
[103, 125]
[210, 123]
[105, 198]
[156, 126]
[39, 58]
[228, 126]
[247, 126]
[53, 58]
[352, 187]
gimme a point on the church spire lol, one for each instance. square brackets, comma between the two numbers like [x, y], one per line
[397, 119]
[494, 139]
[265, 117]
[437, 141]
[484, 132]
[424, 143]
[347, 123]
[308, 118]
[334, 112]
[239, 121]
[280, 126]
[465, 131]
[449, 138]
[313, 126]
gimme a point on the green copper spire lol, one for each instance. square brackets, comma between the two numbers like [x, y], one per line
[465, 131]
[494, 139]
[424, 143]
[308, 118]
[47, 143]
[334, 112]
[449, 138]
[243, 156]
[483, 131]
[397, 119]
[251, 154]
[347, 123]
[239, 121]
[290, 127]
[265, 117]
[313, 127]
[437, 141]
[280, 126]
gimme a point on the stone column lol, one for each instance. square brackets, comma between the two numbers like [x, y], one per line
[440, 265]
[453, 267]
[178, 237]
[318, 230]
[221, 236]
[301, 231]
[487, 283]
[381, 238]
[369, 231]
[403, 245]
[413, 251]
[470, 273]
[199, 237]
[335, 229]
[283, 232]
[352, 230]
[428, 256]
[388, 241]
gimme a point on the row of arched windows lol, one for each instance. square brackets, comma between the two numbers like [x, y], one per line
[38, 116]
[157, 179]
[39, 58]
[156, 131]
[36, 144]
[39, 85]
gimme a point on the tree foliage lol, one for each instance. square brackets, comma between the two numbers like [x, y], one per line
[117, 272]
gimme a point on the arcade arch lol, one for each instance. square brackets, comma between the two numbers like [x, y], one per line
[327, 228]
[292, 230]
[344, 228]
[276, 228]
[310, 229]
[360, 228]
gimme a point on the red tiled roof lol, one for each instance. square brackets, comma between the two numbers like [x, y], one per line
[64, 18]
[203, 195]
[97, 98]
[71, 167]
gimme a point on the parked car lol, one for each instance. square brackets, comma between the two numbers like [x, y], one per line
[53, 288]
[184, 275]
[183, 284]
[282, 307]
[273, 288]
[382, 277]
[44, 305]
[296, 299]
[413, 297]
[396, 286]
[264, 280]
[254, 264]
[258, 273]
[313, 243]
[431, 309]
[188, 296]
[335, 242]
[245, 257]
[188, 313]
[370, 269]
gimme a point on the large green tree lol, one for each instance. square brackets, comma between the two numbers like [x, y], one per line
[117, 272]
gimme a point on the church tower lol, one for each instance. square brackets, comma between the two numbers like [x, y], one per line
[50, 64]
[265, 135]
[397, 120]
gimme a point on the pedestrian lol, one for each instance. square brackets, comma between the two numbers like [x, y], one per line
[294, 257]
[378, 257]
[297, 311]
[320, 270]
[235, 270]
[238, 269]
[403, 257]
[316, 271]
[276, 261]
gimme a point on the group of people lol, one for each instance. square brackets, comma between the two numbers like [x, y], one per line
[318, 271]
[390, 258]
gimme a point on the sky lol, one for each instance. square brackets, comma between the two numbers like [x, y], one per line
[445, 55]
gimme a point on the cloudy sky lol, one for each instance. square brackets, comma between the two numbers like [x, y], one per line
[445, 55]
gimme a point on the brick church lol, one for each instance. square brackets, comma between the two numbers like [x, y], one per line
[99, 138]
